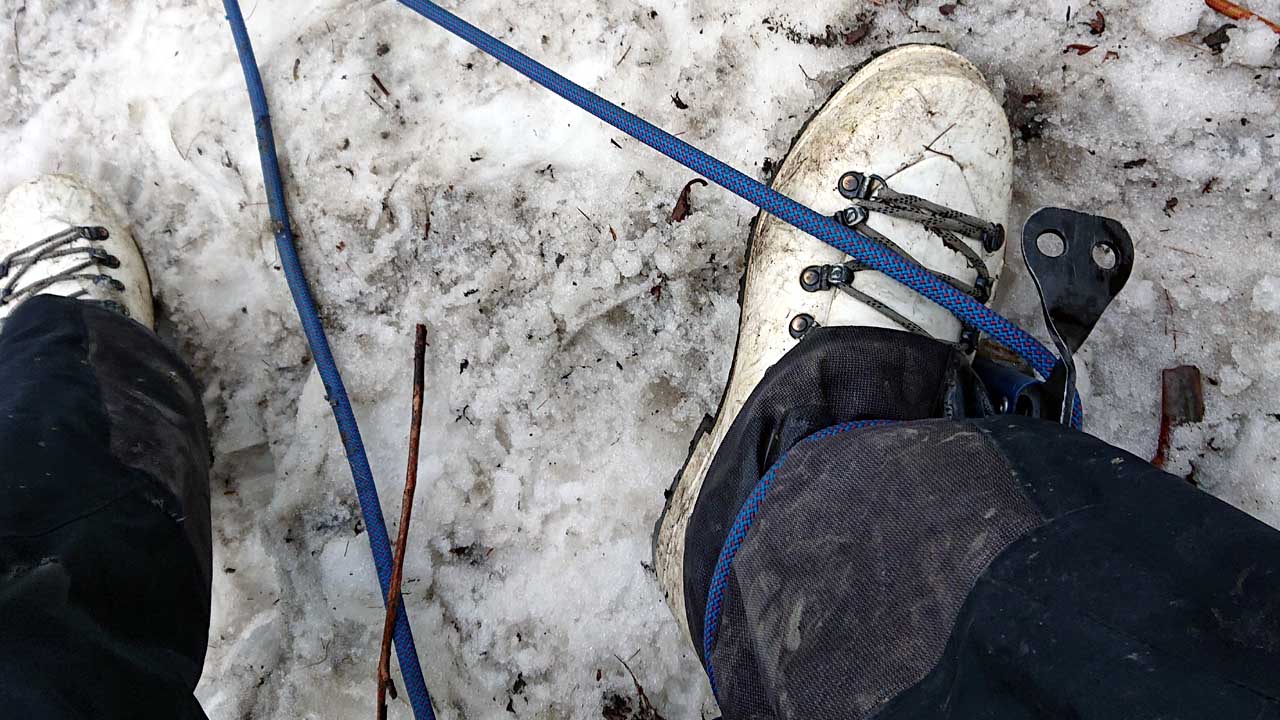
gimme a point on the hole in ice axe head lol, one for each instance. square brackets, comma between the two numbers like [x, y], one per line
[1079, 263]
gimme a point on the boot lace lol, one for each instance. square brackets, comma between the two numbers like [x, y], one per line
[871, 193]
[66, 243]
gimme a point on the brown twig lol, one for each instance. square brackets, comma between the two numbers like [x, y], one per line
[1181, 403]
[406, 511]
[1236, 12]
[684, 208]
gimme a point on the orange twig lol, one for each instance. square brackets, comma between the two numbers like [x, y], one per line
[1235, 12]
[406, 511]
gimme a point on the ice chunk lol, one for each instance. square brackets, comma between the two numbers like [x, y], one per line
[1171, 18]
[1252, 44]
[1266, 295]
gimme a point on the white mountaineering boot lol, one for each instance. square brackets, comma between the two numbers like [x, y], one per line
[58, 237]
[923, 119]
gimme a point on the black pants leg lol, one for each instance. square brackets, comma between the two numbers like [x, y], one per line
[950, 566]
[104, 519]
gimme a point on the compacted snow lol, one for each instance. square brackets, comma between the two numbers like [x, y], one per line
[578, 337]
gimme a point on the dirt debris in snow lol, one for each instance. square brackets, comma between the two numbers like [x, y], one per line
[562, 486]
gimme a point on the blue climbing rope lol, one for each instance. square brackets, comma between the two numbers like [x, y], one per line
[336, 391]
[858, 246]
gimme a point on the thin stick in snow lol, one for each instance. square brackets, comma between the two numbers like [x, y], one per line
[406, 511]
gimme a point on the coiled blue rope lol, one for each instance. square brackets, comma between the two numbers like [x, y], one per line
[867, 251]
[366, 491]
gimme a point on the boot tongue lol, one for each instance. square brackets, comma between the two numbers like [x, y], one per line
[937, 178]
[940, 180]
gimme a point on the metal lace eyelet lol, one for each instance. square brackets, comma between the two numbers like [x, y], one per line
[800, 325]
[811, 278]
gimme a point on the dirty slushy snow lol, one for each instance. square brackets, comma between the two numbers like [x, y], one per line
[578, 337]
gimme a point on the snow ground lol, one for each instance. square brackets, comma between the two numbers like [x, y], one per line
[530, 238]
